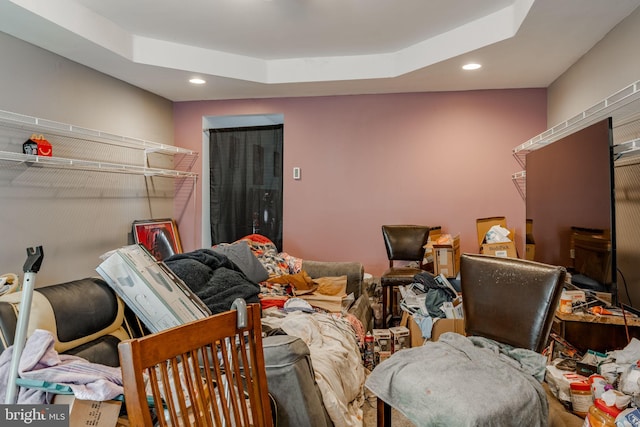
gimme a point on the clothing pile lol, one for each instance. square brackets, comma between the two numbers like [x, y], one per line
[40, 362]
[427, 299]
[335, 354]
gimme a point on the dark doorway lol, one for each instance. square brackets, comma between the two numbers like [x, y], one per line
[245, 167]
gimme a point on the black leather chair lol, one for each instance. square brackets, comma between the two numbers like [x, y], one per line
[403, 243]
[508, 300]
[85, 316]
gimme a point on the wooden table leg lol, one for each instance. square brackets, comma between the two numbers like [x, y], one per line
[383, 413]
[385, 289]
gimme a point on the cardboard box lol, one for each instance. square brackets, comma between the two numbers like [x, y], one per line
[530, 252]
[593, 257]
[331, 303]
[415, 333]
[483, 225]
[447, 258]
[453, 309]
[530, 244]
[153, 292]
[382, 339]
[382, 345]
[446, 325]
[90, 412]
[382, 356]
[505, 249]
[399, 338]
[584, 231]
[428, 260]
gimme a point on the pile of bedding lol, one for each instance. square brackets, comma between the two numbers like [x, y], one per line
[233, 270]
[464, 381]
[253, 269]
[215, 279]
[281, 276]
[336, 359]
[276, 263]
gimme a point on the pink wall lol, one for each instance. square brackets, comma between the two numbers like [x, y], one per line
[439, 158]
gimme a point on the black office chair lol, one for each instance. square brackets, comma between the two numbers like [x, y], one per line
[508, 300]
[403, 243]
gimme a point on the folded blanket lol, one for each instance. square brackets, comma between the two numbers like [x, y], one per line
[461, 381]
[215, 279]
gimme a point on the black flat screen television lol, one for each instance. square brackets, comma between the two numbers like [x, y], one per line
[570, 203]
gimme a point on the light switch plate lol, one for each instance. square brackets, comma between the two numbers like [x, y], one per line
[296, 173]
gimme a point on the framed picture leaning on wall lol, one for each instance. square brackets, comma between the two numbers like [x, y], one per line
[159, 236]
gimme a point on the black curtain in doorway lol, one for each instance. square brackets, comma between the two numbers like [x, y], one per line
[245, 167]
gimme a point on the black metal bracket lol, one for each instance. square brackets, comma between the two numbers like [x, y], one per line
[34, 259]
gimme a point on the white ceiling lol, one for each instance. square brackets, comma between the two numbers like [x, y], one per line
[276, 48]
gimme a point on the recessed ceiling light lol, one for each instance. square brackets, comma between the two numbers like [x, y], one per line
[471, 66]
[197, 81]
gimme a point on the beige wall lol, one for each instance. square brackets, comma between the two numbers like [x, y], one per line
[39, 83]
[609, 66]
[76, 216]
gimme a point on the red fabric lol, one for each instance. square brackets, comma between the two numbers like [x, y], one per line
[272, 302]
[258, 238]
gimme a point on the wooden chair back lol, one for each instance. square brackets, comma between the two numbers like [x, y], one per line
[209, 372]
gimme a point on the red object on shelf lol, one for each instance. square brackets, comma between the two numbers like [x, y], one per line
[38, 146]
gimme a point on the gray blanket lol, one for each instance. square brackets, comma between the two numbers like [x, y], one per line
[461, 381]
[214, 278]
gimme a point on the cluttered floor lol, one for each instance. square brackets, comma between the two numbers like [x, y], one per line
[370, 415]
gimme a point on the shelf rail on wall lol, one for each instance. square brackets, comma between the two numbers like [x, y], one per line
[89, 165]
[50, 127]
[35, 124]
[626, 149]
[91, 173]
[623, 106]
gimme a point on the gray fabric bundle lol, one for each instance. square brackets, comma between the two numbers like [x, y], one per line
[215, 279]
[460, 381]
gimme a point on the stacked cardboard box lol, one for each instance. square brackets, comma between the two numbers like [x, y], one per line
[382, 344]
[427, 261]
[447, 257]
[443, 251]
[530, 244]
[399, 338]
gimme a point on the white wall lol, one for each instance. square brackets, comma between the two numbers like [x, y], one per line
[75, 215]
